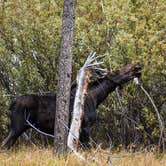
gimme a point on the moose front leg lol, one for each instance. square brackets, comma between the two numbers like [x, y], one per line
[85, 136]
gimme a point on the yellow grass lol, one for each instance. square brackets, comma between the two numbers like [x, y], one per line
[35, 156]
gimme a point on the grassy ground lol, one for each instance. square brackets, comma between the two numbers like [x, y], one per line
[35, 156]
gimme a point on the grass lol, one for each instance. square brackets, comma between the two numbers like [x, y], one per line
[35, 156]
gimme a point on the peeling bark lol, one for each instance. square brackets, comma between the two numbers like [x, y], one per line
[78, 111]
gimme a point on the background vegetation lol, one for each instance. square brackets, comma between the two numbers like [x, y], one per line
[129, 31]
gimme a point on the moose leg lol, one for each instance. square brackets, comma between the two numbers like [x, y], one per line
[84, 136]
[17, 127]
[9, 140]
[12, 137]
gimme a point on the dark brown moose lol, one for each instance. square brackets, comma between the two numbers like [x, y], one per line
[40, 109]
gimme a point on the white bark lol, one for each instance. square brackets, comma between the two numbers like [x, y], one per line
[78, 110]
[82, 81]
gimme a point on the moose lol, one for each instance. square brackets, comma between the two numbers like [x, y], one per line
[40, 109]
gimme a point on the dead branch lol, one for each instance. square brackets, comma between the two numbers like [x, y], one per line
[78, 111]
[31, 125]
[161, 124]
[43, 133]
[123, 110]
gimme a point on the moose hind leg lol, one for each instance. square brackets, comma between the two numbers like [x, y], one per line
[12, 137]
[9, 140]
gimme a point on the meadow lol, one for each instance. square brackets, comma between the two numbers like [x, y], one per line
[39, 156]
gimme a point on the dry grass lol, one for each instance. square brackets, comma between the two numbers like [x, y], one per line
[35, 156]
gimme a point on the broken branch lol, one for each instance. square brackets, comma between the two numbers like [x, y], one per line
[78, 111]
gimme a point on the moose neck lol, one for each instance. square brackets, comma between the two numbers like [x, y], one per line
[101, 89]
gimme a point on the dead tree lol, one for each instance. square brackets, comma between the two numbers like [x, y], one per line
[78, 110]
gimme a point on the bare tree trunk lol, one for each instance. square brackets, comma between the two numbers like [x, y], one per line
[78, 111]
[64, 82]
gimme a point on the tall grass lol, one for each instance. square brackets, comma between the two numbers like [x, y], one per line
[35, 156]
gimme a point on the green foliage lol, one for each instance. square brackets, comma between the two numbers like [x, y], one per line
[128, 31]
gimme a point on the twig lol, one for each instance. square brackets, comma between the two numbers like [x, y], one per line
[94, 64]
[161, 124]
[158, 116]
[41, 132]
[30, 124]
[123, 113]
[101, 69]
[98, 57]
